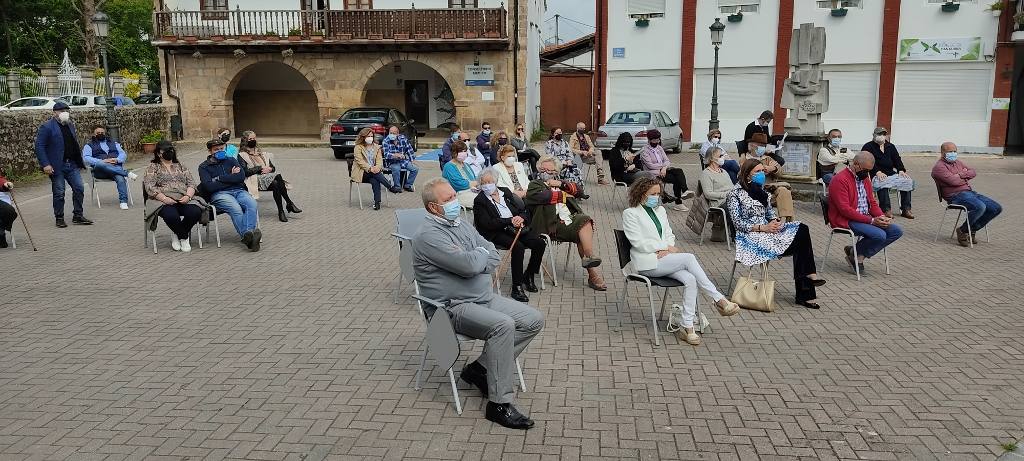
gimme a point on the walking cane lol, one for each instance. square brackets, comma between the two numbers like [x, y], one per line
[500, 272]
[18, 209]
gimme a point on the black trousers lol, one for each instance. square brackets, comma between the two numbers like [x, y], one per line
[803, 263]
[376, 181]
[531, 156]
[7, 216]
[536, 246]
[280, 191]
[677, 179]
[181, 218]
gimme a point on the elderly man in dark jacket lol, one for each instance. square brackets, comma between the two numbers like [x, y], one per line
[499, 214]
[888, 163]
[60, 157]
[222, 180]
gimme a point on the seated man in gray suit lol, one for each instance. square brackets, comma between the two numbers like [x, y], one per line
[453, 262]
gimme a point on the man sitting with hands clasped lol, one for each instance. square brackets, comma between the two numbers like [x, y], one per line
[851, 205]
[223, 181]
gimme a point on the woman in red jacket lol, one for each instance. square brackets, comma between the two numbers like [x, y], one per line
[7, 212]
[851, 205]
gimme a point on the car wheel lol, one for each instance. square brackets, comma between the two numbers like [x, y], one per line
[338, 154]
[679, 145]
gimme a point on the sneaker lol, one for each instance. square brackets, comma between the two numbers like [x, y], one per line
[132, 175]
[963, 238]
[61, 224]
[124, 206]
[176, 244]
[687, 195]
[974, 238]
[186, 246]
[680, 207]
[82, 220]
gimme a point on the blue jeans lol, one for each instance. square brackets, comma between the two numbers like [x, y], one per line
[115, 172]
[980, 209]
[875, 239]
[238, 204]
[67, 172]
[827, 178]
[411, 171]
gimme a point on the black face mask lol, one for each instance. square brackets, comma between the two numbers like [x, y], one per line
[251, 143]
[100, 137]
[225, 137]
[558, 137]
[502, 141]
[167, 155]
[654, 142]
[863, 174]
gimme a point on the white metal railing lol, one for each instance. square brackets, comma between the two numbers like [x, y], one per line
[33, 86]
[5, 91]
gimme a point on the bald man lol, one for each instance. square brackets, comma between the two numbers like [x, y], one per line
[851, 205]
[952, 177]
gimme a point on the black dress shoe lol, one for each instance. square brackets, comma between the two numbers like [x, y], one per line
[808, 305]
[409, 189]
[475, 374]
[257, 237]
[376, 206]
[519, 295]
[247, 239]
[507, 415]
[3, 239]
[395, 190]
[61, 224]
[529, 284]
[292, 208]
[81, 220]
[282, 216]
[584, 197]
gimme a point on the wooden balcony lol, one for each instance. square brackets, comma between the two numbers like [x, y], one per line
[439, 29]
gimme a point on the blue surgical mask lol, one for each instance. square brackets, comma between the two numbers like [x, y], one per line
[652, 201]
[487, 132]
[758, 178]
[760, 151]
[837, 141]
[489, 188]
[950, 156]
[392, 136]
[220, 155]
[455, 136]
[452, 210]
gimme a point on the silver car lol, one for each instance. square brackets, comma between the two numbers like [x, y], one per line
[636, 123]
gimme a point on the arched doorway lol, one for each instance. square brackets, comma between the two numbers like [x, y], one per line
[274, 99]
[414, 88]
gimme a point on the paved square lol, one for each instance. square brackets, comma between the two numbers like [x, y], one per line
[297, 352]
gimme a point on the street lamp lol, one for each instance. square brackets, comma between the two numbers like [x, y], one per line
[101, 25]
[717, 30]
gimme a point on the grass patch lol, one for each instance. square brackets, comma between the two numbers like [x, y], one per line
[29, 177]
[1009, 446]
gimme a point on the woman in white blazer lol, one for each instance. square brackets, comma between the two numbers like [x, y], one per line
[654, 254]
[510, 173]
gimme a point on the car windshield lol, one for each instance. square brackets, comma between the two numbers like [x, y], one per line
[363, 114]
[630, 118]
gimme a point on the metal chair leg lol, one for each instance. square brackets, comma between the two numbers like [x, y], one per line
[885, 255]
[550, 255]
[828, 246]
[654, 317]
[398, 288]
[731, 276]
[568, 254]
[856, 262]
[519, 371]
[455, 391]
[423, 364]
[704, 227]
[664, 302]
[941, 222]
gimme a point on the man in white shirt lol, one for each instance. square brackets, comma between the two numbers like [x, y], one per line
[832, 154]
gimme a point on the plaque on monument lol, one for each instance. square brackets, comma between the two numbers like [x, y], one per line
[798, 159]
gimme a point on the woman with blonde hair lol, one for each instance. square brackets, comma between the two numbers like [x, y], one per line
[251, 155]
[510, 173]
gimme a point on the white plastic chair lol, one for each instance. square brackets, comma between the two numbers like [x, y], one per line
[96, 194]
[854, 238]
[960, 211]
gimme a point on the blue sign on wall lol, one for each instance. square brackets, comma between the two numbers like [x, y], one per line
[618, 52]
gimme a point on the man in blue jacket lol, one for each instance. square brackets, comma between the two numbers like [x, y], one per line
[485, 145]
[106, 158]
[60, 157]
[223, 181]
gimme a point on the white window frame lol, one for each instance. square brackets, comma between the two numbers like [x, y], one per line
[743, 6]
[636, 9]
[827, 4]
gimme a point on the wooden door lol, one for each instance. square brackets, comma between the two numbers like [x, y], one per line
[417, 102]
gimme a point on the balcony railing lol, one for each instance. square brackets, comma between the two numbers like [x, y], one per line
[410, 24]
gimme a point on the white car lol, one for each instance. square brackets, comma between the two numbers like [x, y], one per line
[33, 102]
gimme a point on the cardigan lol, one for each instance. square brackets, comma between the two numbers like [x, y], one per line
[488, 220]
[842, 200]
[643, 236]
[715, 186]
[252, 183]
[617, 164]
[952, 178]
[504, 178]
[362, 162]
[756, 247]
[455, 178]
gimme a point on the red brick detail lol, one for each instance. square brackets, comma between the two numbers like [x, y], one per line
[1002, 79]
[686, 59]
[887, 69]
[601, 65]
[782, 62]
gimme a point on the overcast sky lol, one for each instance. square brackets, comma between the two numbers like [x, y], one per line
[582, 11]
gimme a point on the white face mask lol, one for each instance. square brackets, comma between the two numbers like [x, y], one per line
[64, 117]
[720, 161]
[880, 138]
[716, 140]
[510, 161]
[369, 139]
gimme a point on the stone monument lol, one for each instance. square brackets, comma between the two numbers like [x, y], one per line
[805, 94]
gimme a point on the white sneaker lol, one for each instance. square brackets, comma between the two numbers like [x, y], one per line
[176, 245]
[687, 195]
[186, 246]
[124, 206]
[680, 207]
[132, 175]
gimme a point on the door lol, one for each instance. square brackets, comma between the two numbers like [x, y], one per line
[313, 14]
[417, 101]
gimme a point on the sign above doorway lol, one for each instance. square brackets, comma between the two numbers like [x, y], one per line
[480, 75]
[618, 52]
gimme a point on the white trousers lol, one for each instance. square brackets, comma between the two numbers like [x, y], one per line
[685, 268]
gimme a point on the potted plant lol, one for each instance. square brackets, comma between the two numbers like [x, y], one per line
[344, 36]
[421, 36]
[951, 6]
[245, 37]
[643, 22]
[492, 34]
[317, 35]
[149, 141]
[191, 38]
[375, 36]
[470, 35]
[996, 8]
[838, 10]
[736, 17]
[294, 35]
[447, 35]
[217, 37]
[401, 36]
[272, 36]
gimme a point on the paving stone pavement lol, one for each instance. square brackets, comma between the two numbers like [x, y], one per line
[297, 352]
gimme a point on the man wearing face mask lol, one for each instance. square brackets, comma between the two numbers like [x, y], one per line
[762, 124]
[452, 262]
[106, 158]
[224, 134]
[486, 145]
[446, 148]
[475, 159]
[832, 154]
[222, 181]
[780, 190]
[399, 156]
[889, 173]
[580, 144]
[851, 205]
[60, 157]
[498, 214]
[952, 177]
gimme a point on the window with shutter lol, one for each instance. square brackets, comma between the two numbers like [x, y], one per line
[646, 8]
[739, 6]
[463, 4]
[214, 10]
[829, 4]
[358, 4]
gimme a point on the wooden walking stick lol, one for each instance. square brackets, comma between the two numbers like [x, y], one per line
[500, 272]
[18, 209]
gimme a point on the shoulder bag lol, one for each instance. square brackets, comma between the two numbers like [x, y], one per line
[753, 294]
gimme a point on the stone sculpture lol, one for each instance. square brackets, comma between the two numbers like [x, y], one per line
[805, 92]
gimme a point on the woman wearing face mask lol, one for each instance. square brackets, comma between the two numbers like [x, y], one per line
[368, 160]
[559, 149]
[171, 193]
[715, 140]
[624, 164]
[761, 236]
[654, 254]
[224, 134]
[780, 190]
[522, 144]
[252, 156]
[510, 174]
[715, 186]
[461, 176]
[656, 162]
[475, 159]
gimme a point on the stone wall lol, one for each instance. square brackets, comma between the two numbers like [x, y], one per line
[18, 131]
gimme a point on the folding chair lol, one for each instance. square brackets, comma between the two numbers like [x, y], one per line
[549, 248]
[855, 239]
[622, 247]
[149, 236]
[96, 194]
[707, 219]
[824, 189]
[214, 212]
[586, 167]
[359, 192]
[615, 188]
[441, 344]
[961, 210]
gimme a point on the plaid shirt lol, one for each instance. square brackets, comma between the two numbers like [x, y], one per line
[862, 199]
[398, 146]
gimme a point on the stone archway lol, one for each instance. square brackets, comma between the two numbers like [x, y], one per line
[416, 89]
[274, 98]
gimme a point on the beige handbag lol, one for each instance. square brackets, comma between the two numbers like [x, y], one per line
[758, 295]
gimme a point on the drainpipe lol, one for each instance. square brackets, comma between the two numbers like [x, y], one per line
[173, 88]
[515, 61]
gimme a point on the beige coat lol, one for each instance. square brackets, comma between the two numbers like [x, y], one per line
[362, 163]
[252, 183]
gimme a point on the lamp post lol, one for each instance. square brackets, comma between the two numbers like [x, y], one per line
[717, 30]
[101, 25]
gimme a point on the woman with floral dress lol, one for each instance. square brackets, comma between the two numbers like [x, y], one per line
[559, 149]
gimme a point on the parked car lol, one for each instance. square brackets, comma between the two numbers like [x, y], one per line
[348, 126]
[152, 98]
[637, 122]
[92, 100]
[32, 102]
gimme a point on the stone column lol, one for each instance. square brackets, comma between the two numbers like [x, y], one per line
[143, 85]
[49, 71]
[14, 84]
[88, 79]
[117, 82]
